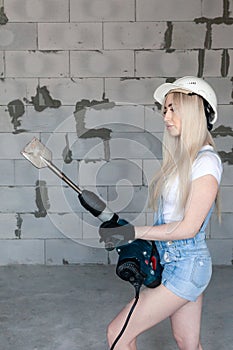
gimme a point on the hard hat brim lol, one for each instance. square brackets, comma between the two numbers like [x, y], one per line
[161, 92]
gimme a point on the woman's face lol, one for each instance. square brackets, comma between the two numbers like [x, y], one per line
[171, 117]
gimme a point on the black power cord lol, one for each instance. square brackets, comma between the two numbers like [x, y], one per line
[137, 290]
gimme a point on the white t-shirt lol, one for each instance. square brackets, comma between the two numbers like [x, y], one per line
[206, 163]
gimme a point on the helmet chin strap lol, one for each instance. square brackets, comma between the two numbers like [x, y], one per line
[209, 112]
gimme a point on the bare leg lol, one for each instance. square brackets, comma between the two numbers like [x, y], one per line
[154, 305]
[186, 323]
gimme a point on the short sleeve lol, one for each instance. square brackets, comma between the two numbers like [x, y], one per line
[207, 163]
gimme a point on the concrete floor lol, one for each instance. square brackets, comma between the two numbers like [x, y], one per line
[68, 308]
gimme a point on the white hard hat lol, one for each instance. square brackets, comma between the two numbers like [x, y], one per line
[189, 85]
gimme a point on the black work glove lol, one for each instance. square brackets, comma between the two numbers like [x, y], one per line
[116, 232]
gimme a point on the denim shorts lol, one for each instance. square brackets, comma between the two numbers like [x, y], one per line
[187, 266]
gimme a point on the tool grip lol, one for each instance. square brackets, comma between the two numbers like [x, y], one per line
[90, 201]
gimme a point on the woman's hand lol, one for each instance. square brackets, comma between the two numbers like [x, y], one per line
[116, 232]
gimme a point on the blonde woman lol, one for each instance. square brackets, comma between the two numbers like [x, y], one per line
[183, 193]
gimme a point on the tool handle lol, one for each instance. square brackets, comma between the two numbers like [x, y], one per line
[62, 176]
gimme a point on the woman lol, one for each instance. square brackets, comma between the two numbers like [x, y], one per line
[183, 194]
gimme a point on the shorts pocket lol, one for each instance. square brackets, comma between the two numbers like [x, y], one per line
[202, 271]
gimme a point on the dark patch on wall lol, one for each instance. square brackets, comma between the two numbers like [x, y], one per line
[222, 131]
[201, 62]
[83, 132]
[227, 157]
[67, 153]
[3, 16]
[43, 100]
[168, 36]
[16, 110]
[130, 78]
[19, 226]
[42, 199]
[225, 63]
[170, 80]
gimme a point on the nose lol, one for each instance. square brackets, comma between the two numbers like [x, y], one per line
[167, 115]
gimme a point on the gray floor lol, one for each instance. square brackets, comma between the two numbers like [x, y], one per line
[68, 308]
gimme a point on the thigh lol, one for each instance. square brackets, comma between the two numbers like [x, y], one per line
[186, 322]
[154, 305]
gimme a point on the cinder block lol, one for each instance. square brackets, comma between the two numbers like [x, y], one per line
[128, 199]
[37, 64]
[39, 228]
[102, 63]
[135, 146]
[109, 173]
[221, 36]
[118, 118]
[150, 168]
[12, 89]
[226, 199]
[223, 229]
[68, 225]
[70, 91]
[224, 144]
[54, 120]
[223, 89]
[227, 176]
[101, 10]
[188, 35]
[153, 119]
[8, 226]
[81, 148]
[135, 35]
[70, 36]
[212, 65]
[160, 64]
[37, 11]
[25, 173]
[221, 251]
[7, 172]
[17, 199]
[224, 117]
[212, 8]
[18, 36]
[137, 91]
[11, 145]
[19, 251]
[167, 10]
[5, 120]
[63, 251]
[63, 200]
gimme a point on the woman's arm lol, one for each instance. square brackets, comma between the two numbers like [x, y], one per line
[202, 195]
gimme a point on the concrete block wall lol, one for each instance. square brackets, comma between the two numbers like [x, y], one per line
[80, 76]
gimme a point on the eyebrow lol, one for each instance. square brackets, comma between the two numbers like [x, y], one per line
[170, 105]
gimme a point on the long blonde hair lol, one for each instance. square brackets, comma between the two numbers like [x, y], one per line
[180, 152]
